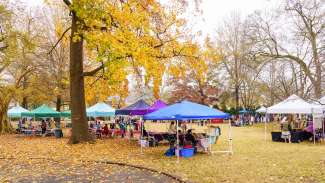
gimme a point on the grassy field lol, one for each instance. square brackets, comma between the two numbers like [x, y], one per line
[254, 159]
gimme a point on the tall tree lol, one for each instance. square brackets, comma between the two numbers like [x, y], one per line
[232, 45]
[293, 34]
[140, 35]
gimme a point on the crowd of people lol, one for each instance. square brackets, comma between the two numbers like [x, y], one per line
[249, 119]
[46, 126]
[120, 126]
[189, 139]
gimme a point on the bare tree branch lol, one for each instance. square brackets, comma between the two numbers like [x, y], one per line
[94, 71]
[59, 40]
[67, 2]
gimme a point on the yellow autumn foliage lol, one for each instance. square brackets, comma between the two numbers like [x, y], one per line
[134, 35]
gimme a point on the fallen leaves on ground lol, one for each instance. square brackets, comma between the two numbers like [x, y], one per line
[254, 160]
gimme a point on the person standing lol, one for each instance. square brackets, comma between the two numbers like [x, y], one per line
[43, 126]
[172, 128]
[105, 130]
[218, 133]
[122, 128]
[52, 124]
[285, 130]
[183, 126]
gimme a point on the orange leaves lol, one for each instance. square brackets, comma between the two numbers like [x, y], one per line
[254, 159]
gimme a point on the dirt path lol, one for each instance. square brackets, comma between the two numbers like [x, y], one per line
[52, 172]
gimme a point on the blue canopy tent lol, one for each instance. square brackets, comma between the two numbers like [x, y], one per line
[186, 110]
[15, 112]
[100, 110]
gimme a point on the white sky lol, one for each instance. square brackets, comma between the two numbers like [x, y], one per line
[214, 11]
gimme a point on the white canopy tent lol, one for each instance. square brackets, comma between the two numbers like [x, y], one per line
[261, 110]
[295, 105]
[322, 100]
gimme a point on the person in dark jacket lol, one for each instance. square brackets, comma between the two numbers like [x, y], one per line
[190, 137]
[43, 126]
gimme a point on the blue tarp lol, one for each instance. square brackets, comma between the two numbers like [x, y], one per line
[100, 110]
[186, 110]
[16, 111]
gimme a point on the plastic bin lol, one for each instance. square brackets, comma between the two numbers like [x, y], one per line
[144, 143]
[187, 152]
[58, 133]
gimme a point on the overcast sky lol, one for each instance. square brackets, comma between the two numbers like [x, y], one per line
[214, 11]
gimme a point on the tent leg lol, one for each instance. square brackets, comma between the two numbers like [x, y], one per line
[141, 137]
[177, 142]
[265, 130]
[210, 140]
[230, 137]
[312, 113]
[323, 136]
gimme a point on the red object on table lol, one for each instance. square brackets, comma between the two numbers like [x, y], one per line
[216, 120]
[187, 146]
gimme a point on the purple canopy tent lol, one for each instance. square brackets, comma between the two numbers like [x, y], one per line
[139, 108]
[159, 104]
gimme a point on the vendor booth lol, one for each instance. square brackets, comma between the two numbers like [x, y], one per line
[100, 110]
[15, 112]
[44, 111]
[41, 112]
[139, 108]
[294, 105]
[186, 110]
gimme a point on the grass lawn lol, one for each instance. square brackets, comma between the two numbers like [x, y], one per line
[254, 159]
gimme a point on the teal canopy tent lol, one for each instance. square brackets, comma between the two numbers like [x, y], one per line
[15, 112]
[100, 110]
[42, 111]
[65, 114]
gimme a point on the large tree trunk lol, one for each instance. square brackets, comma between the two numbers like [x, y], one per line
[58, 108]
[24, 103]
[237, 96]
[5, 126]
[77, 95]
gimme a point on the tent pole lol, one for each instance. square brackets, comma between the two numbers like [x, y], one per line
[230, 137]
[312, 113]
[265, 126]
[177, 142]
[141, 137]
[323, 122]
[210, 139]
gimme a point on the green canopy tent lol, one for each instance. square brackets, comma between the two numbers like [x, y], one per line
[66, 114]
[41, 112]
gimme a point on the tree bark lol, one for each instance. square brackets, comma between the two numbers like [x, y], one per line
[237, 96]
[5, 126]
[24, 103]
[77, 94]
[58, 108]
